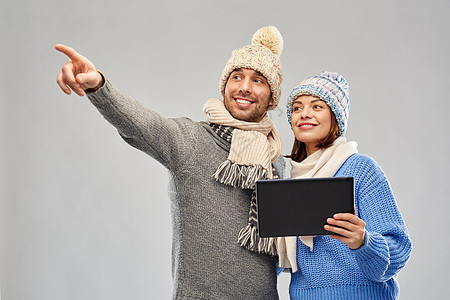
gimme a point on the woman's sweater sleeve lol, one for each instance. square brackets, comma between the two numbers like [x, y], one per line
[387, 246]
[163, 139]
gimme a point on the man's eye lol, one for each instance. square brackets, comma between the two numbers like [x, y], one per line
[236, 77]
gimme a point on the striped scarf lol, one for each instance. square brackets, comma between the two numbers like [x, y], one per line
[254, 146]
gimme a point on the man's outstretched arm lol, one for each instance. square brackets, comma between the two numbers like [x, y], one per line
[167, 140]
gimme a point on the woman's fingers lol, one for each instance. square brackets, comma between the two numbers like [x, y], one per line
[347, 225]
[348, 217]
[349, 229]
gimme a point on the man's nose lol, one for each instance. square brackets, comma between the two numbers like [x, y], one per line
[246, 86]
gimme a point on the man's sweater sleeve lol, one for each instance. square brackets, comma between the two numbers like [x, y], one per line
[163, 139]
[387, 247]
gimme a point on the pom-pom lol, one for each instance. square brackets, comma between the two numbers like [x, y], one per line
[269, 37]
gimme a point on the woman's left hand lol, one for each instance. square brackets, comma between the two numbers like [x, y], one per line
[350, 229]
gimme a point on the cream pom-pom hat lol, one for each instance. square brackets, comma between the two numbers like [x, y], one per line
[263, 56]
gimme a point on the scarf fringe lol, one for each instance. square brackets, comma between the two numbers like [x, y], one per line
[249, 238]
[239, 176]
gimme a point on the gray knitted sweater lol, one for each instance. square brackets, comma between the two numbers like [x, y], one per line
[207, 262]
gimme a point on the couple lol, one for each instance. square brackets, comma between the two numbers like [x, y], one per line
[217, 253]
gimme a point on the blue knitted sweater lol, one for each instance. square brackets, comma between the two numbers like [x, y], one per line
[334, 271]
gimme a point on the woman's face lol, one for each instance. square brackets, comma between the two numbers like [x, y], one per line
[311, 121]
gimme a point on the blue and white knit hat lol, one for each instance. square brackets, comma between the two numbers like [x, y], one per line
[329, 87]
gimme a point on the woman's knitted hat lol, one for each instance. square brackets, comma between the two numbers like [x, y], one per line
[329, 87]
[263, 56]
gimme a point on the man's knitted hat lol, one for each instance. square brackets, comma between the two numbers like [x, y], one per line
[263, 56]
[329, 87]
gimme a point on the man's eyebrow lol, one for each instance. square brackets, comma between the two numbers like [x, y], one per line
[257, 73]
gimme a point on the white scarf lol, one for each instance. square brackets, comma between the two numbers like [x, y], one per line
[252, 144]
[322, 163]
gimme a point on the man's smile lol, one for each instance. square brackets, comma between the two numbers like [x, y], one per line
[243, 102]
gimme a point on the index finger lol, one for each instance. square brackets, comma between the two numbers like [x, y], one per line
[70, 52]
[347, 217]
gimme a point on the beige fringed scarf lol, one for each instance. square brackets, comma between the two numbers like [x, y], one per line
[322, 163]
[254, 146]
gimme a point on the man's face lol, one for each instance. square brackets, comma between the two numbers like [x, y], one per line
[247, 95]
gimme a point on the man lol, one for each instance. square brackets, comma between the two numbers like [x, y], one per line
[214, 165]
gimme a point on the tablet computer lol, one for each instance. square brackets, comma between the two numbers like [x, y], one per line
[298, 207]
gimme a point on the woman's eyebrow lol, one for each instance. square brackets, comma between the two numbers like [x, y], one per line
[300, 102]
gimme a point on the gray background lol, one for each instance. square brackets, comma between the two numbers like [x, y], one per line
[85, 216]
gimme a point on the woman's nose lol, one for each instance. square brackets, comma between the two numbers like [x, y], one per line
[306, 113]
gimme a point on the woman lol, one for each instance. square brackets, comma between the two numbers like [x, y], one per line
[362, 259]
